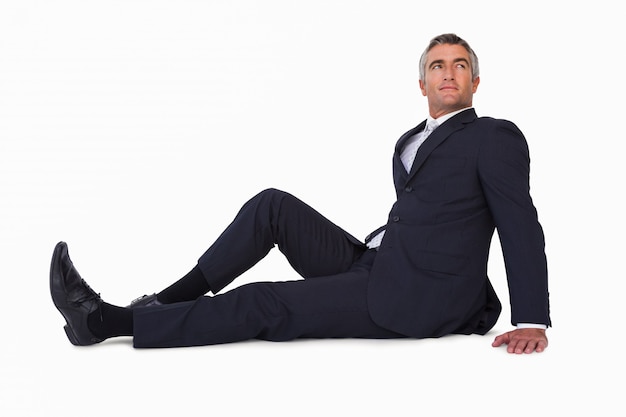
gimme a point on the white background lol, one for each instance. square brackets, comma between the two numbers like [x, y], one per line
[134, 130]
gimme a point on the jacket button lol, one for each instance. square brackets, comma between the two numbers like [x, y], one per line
[396, 218]
[408, 189]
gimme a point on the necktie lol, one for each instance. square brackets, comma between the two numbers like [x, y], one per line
[430, 126]
[410, 149]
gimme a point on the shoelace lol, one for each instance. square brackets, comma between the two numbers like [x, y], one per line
[91, 296]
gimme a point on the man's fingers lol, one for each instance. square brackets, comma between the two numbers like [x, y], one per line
[521, 342]
[500, 340]
[541, 346]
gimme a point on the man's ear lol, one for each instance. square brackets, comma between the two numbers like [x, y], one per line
[475, 84]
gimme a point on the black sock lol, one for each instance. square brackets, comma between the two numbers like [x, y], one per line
[110, 321]
[188, 288]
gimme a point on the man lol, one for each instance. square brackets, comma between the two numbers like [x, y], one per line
[423, 274]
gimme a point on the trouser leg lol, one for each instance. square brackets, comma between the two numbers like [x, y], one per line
[323, 307]
[312, 244]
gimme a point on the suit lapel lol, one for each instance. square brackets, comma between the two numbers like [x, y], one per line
[438, 136]
[400, 173]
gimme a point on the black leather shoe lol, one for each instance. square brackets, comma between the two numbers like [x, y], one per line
[144, 301]
[72, 297]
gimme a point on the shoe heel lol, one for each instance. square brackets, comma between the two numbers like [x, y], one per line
[70, 335]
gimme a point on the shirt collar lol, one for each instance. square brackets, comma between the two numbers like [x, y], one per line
[445, 117]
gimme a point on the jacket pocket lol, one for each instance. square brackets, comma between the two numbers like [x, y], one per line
[437, 262]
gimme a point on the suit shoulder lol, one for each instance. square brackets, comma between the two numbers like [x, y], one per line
[486, 122]
[501, 139]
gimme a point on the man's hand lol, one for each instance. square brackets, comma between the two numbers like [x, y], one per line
[523, 340]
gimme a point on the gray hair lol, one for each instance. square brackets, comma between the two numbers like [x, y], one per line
[449, 39]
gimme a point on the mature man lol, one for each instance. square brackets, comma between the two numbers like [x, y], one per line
[423, 274]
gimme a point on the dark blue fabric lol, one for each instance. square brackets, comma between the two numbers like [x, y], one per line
[428, 278]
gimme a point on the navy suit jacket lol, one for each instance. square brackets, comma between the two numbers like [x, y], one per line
[429, 278]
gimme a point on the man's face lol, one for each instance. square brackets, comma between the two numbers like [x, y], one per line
[448, 83]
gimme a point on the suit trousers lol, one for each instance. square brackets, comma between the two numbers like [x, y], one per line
[329, 302]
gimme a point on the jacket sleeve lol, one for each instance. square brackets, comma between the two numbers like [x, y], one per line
[504, 171]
